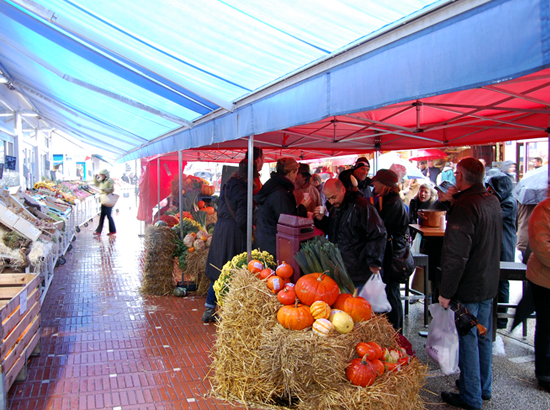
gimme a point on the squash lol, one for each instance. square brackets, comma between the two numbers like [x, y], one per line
[320, 310]
[255, 266]
[317, 286]
[209, 210]
[207, 190]
[357, 307]
[361, 372]
[295, 317]
[379, 366]
[266, 273]
[284, 270]
[286, 296]
[342, 322]
[276, 283]
[377, 349]
[364, 349]
[201, 204]
[322, 327]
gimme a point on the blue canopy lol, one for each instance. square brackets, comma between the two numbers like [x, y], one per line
[145, 78]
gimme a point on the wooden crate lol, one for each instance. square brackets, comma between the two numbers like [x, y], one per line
[20, 329]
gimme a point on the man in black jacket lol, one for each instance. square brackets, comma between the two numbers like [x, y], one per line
[355, 226]
[360, 180]
[470, 273]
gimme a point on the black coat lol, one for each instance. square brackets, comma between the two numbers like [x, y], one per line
[396, 220]
[503, 186]
[275, 198]
[359, 232]
[470, 262]
[229, 237]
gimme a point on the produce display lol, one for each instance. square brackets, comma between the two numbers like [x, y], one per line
[307, 345]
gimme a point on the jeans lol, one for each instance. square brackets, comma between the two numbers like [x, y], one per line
[106, 212]
[541, 295]
[211, 297]
[476, 356]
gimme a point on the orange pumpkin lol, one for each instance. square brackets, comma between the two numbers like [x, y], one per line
[365, 350]
[317, 286]
[379, 366]
[207, 190]
[201, 204]
[377, 349]
[361, 372]
[284, 270]
[295, 317]
[275, 283]
[266, 273]
[255, 266]
[209, 210]
[357, 307]
[286, 296]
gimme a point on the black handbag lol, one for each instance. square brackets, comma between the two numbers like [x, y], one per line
[402, 263]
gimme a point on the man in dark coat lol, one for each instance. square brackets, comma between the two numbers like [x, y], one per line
[470, 274]
[229, 236]
[275, 198]
[501, 185]
[360, 180]
[355, 226]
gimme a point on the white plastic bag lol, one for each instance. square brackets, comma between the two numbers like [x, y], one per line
[375, 292]
[442, 343]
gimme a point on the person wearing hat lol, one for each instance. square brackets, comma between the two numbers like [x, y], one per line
[106, 186]
[445, 192]
[303, 188]
[393, 212]
[356, 178]
[275, 198]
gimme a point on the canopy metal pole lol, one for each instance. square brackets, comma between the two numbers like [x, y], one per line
[249, 197]
[158, 189]
[141, 234]
[180, 195]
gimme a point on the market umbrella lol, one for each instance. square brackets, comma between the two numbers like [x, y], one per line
[533, 188]
[426, 154]
[392, 160]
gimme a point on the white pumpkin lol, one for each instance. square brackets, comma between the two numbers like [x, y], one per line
[322, 327]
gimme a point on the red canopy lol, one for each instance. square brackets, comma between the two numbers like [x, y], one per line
[512, 110]
[426, 154]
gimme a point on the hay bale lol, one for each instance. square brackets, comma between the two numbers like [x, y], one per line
[159, 263]
[257, 361]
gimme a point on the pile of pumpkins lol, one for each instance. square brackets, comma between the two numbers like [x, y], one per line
[373, 361]
[314, 301]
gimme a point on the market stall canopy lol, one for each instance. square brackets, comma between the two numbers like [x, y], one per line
[426, 154]
[120, 74]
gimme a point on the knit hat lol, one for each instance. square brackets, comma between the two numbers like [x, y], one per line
[361, 162]
[386, 177]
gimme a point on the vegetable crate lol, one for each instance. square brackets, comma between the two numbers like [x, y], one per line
[20, 328]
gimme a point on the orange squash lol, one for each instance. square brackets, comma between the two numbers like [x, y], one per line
[209, 210]
[361, 372]
[284, 270]
[357, 307]
[317, 286]
[286, 296]
[255, 266]
[295, 317]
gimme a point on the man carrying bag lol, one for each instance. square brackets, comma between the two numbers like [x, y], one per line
[470, 266]
[108, 200]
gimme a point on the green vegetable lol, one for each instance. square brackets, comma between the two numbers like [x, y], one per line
[320, 255]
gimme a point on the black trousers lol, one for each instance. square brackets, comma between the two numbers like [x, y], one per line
[395, 317]
[541, 296]
[106, 212]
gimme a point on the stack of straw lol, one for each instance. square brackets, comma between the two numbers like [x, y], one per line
[159, 262]
[257, 361]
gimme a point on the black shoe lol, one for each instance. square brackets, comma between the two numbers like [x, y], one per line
[210, 315]
[544, 385]
[487, 398]
[454, 400]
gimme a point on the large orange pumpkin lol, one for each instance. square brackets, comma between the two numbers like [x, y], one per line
[357, 307]
[317, 286]
[295, 317]
[361, 372]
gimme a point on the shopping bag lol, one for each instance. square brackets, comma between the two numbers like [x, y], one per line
[108, 200]
[442, 343]
[375, 292]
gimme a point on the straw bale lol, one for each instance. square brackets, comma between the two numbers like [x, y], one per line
[257, 361]
[159, 263]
